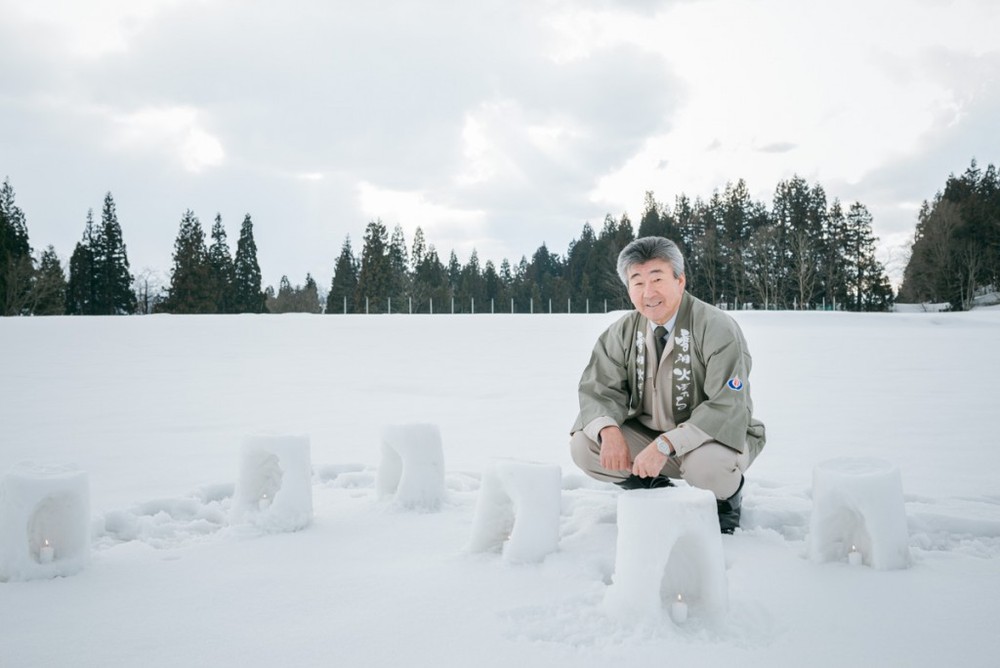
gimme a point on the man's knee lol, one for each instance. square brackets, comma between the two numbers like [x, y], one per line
[714, 467]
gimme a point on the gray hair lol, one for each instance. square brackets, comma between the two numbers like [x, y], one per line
[645, 249]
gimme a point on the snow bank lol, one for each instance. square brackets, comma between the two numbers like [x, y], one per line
[152, 418]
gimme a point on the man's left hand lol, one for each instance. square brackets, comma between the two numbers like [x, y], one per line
[649, 463]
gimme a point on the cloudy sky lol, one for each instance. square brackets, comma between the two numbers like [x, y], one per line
[494, 125]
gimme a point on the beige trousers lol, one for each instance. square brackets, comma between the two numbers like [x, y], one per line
[710, 466]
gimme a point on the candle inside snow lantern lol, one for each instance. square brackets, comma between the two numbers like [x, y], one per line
[46, 553]
[854, 556]
[264, 502]
[679, 610]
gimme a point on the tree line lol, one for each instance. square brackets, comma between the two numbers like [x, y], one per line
[956, 245]
[799, 251]
[204, 279]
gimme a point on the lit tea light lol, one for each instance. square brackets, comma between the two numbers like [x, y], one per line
[264, 502]
[679, 610]
[854, 556]
[46, 553]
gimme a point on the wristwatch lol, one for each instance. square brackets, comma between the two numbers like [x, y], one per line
[663, 445]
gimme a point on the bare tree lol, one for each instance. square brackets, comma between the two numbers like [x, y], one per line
[19, 275]
[803, 266]
[148, 287]
[972, 258]
[762, 265]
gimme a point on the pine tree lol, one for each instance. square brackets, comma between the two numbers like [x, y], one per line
[839, 260]
[739, 217]
[294, 299]
[625, 233]
[399, 288]
[471, 291]
[580, 263]
[375, 276]
[867, 284]
[654, 222]
[16, 262]
[493, 289]
[544, 274]
[799, 212]
[248, 297]
[344, 284]
[190, 280]
[687, 215]
[705, 276]
[112, 282]
[284, 300]
[49, 289]
[220, 262]
[454, 272]
[506, 274]
[309, 296]
[419, 249]
[431, 293]
[606, 284]
[80, 291]
[522, 289]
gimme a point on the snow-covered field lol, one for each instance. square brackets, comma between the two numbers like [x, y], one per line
[155, 410]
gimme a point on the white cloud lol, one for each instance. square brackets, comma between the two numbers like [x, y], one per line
[176, 131]
[413, 209]
[502, 143]
[484, 159]
[88, 29]
[838, 86]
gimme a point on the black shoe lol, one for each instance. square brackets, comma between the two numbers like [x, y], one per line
[660, 481]
[729, 510]
[635, 482]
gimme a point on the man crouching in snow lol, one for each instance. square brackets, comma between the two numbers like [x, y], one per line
[667, 391]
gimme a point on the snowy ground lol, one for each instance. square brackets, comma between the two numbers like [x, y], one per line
[155, 409]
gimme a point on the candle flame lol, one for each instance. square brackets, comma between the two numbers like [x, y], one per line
[854, 548]
[680, 599]
[46, 542]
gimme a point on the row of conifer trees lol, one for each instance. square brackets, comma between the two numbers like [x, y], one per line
[801, 251]
[204, 279]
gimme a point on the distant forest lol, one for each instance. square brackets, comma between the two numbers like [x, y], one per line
[801, 252]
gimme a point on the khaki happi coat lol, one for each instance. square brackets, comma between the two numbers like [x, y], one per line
[703, 380]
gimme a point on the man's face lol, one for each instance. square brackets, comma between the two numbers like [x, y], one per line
[654, 291]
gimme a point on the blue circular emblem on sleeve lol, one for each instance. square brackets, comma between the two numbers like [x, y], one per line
[735, 383]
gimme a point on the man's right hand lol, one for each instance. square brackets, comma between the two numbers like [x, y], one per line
[614, 451]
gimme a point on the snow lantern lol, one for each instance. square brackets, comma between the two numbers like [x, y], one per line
[274, 489]
[44, 521]
[412, 466]
[858, 514]
[518, 510]
[669, 556]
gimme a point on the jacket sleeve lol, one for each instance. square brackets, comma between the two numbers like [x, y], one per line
[604, 388]
[725, 410]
